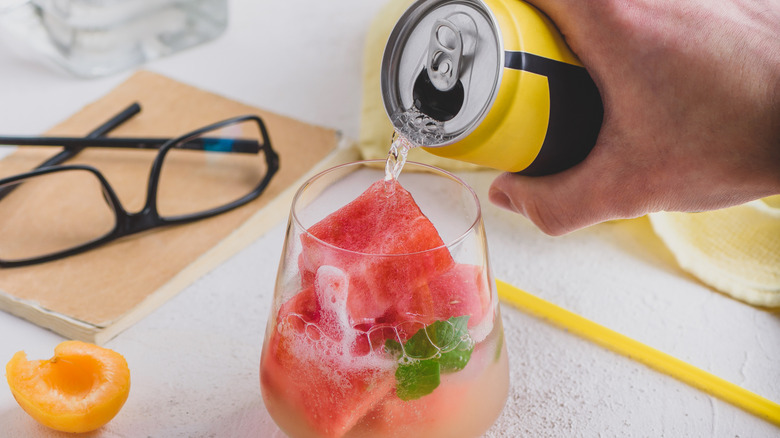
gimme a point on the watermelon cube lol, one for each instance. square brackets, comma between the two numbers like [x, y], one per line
[389, 250]
[310, 362]
[462, 290]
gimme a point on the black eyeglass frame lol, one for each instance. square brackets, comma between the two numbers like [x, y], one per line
[149, 217]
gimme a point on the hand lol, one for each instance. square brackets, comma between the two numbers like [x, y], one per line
[691, 92]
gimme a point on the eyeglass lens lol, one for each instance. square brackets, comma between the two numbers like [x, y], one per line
[53, 212]
[195, 181]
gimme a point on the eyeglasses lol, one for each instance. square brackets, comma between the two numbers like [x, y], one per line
[56, 211]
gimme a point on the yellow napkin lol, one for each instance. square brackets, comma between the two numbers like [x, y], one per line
[376, 131]
[735, 250]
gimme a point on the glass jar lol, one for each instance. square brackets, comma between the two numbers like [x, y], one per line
[92, 38]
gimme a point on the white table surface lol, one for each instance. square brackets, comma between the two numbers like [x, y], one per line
[194, 361]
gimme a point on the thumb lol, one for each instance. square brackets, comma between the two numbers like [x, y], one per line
[559, 203]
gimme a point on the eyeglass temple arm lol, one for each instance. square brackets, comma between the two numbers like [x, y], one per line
[98, 132]
[245, 146]
[76, 144]
[67, 153]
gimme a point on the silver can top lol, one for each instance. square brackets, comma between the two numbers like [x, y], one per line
[441, 70]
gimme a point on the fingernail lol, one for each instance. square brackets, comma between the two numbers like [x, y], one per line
[500, 199]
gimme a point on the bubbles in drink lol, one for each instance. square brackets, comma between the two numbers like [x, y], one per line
[414, 129]
[332, 284]
[315, 343]
[418, 128]
[396, 158]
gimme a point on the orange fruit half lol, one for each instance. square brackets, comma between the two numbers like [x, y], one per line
[80, 389]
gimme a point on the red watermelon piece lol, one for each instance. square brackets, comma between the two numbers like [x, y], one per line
[328, 397]
[389, 250]
[396, 417]
[310, 364]
[461, 290]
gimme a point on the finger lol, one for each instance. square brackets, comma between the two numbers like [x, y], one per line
[586, 194]
[555, 208]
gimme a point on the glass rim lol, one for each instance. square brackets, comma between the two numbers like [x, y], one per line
[426, 167]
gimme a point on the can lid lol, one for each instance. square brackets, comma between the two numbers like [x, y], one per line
[441, 70]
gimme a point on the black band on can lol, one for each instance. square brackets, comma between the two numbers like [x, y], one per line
[576, 112]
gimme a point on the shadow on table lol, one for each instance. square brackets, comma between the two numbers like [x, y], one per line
[14, 422]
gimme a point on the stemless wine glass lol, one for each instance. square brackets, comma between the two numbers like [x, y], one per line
[393, 341]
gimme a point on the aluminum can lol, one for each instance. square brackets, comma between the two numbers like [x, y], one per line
[490, 82]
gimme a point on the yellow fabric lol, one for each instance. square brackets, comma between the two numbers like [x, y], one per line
[735, 250]
[376, 131]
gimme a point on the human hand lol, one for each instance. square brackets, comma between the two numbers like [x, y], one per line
[691, 93]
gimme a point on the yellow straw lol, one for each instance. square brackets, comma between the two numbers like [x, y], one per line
[660, 361]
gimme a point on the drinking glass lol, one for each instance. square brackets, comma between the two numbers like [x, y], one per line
[384, 344]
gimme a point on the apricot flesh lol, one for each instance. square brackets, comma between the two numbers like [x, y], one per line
[80, 389]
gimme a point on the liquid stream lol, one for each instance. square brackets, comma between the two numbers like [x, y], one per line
[396, 157]
[420, 128]
[414, 129]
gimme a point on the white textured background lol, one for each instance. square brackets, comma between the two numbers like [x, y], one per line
[195, 360]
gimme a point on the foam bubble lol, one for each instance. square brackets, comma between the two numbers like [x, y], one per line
[331, 286]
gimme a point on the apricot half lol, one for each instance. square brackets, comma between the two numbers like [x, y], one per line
[80, 389]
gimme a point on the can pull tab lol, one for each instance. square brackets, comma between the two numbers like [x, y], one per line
[445, 51]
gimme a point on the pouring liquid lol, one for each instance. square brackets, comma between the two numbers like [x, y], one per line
[415, 129]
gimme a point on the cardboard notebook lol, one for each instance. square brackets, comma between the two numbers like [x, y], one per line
[95, 295]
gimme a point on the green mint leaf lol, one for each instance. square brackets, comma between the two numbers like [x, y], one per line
[499, 345]
[441, 347]
[394, 347]
[439, 336]
[456, 359]
[451, 337]
[448, 334]
[419, 346]
[416, 379]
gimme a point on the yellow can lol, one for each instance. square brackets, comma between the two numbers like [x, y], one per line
[490, 82]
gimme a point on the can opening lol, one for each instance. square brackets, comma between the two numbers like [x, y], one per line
[437, 104]
[441, 70]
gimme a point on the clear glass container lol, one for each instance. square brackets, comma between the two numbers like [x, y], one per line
[384, 343]
[93, 38]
